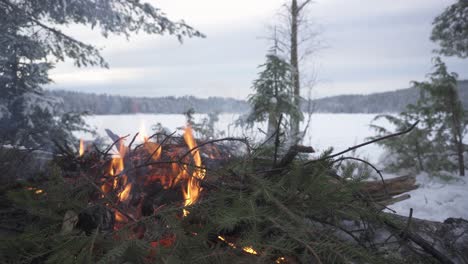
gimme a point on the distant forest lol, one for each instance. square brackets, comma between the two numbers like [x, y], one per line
[103, 104]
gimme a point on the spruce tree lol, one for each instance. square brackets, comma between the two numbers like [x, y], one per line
[451, 30]
[441, 109]
[274, 94]
[439, 135]
[31, 42]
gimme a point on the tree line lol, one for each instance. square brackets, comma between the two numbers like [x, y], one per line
[103, 104]
[106, 104]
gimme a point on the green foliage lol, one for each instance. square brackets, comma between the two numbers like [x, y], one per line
[30, 43]
[274, 96]
[439, 135]
[451, 30]
[407, 151]
[276, 214]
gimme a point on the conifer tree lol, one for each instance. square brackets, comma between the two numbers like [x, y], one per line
[451, 30]
[274, 94]
[442, 110]
[442, 127]
[31, 42]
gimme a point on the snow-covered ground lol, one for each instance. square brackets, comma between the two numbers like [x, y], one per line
[434, 200]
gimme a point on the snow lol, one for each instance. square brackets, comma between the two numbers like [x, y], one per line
[435, 199]
[45, 103]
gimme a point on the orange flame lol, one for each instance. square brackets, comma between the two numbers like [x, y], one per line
[192, 192]
[153, 149]
[81, 150]
[116, 167]
[125, 194]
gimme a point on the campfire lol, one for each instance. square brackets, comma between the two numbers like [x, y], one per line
[162, 194]
[132, 175]
[167, 167]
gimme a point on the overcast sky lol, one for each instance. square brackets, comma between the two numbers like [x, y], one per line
[371, 46]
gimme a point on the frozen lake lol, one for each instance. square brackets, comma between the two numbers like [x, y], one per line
[339, 131]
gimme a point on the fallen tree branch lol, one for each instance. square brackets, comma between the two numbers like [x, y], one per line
[292, 153]
[418, 240]
[394, 186]
[368, 164]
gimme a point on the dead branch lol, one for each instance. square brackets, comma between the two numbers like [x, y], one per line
[160, 145]
[418, 240]
[394, 186]
[242, 140]
[363, 145]
[368, 164]
[292, 153]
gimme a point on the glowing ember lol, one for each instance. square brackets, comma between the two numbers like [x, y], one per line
[280, 260]
[224, 240]
[165, 242]
[81, 149]
[36, 191]
[119, 217]
[249, 250]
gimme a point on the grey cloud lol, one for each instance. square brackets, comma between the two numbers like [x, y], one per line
[379, 50]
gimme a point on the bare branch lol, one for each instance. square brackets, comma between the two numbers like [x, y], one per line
[301, 6]
[364, 144]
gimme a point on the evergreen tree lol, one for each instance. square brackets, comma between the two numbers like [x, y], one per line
[442, 110]
[442, 125]
[274, 95]
[411, 151]
[451, 30]
[31, 42]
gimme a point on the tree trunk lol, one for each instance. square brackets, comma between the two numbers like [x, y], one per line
[456, 112]
[272, 126]
[386, 191]
[461, 158]
[419, 156]
[295, 65]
